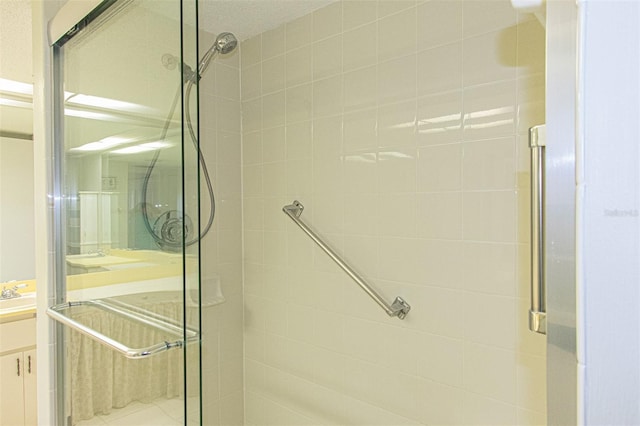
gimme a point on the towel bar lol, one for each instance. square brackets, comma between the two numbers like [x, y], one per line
[58, 313]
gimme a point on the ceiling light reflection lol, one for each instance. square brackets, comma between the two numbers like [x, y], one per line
[440, 119]
[14, 103]
[12, 86]
[391, 155]
[441, 124]
[103, 144]
[407, 125]
[361, 158]
[135, 149]
[88, 114]
[100, 102]
[440, 130]
[488, 125]
[489, 112]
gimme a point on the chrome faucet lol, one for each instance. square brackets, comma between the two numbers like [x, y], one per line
[11, 293]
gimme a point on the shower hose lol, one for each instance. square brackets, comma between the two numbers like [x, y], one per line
[171, 230]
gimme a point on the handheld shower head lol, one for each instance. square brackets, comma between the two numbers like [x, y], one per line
[171, 230]
[225, 43]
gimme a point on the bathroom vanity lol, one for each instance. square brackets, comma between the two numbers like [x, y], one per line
[18, 401]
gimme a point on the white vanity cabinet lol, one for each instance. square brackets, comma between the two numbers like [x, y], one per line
[18, 404]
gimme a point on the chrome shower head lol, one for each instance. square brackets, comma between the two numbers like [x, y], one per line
[225, 43]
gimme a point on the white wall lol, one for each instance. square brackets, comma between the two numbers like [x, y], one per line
[15, 28]
[16, 156]
[17, 258]
[401, 126]
[610, 203]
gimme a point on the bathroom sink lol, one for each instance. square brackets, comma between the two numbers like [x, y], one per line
[25, 302]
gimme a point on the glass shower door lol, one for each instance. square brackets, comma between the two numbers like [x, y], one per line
[127, 222]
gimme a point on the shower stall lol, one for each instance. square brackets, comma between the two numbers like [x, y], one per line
[191, 290]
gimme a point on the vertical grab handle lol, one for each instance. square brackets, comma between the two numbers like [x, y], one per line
[538, 311]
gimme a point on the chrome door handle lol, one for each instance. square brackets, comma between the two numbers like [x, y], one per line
[538, 311]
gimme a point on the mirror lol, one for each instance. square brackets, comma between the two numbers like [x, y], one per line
[17, 241]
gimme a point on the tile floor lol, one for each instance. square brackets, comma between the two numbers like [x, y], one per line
[162, 412]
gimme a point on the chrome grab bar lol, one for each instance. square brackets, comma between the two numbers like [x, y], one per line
[537, 313]
[56, 312]
[399, 308]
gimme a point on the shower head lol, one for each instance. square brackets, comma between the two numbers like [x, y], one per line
[225, 43]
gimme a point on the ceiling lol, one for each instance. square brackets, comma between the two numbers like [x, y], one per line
[246, 18]
[15, 61]
[15, 36]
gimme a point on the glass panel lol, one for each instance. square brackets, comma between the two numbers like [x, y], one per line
[130, 213]
[191, 175]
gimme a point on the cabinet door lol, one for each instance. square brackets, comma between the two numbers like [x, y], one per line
[30, 389]
[11, 389]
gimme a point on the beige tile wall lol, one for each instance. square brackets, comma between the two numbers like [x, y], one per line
[401, 126]
[221, 256]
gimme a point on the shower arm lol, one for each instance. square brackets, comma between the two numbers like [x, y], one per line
[399, 308]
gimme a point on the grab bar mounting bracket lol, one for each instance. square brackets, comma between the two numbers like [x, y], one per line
[538, 322]
[399, 308]
[294, 208]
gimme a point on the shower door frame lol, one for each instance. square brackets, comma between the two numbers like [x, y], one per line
[70, 20]
[563, 383]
